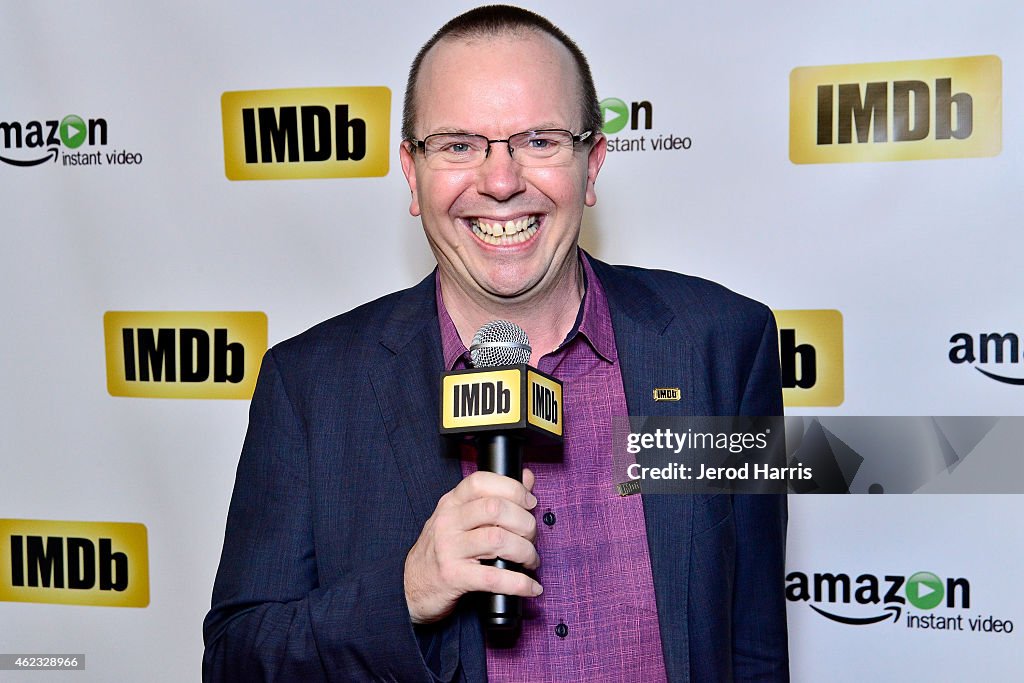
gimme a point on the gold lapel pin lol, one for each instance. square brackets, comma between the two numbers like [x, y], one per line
[667, 394]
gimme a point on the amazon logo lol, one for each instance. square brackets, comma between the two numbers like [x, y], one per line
[39, 142]
[990, 349]
[871, 599]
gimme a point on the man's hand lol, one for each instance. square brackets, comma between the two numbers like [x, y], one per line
[484, 517]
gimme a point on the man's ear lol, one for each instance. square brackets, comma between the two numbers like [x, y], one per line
[405, 152]
[595, 159]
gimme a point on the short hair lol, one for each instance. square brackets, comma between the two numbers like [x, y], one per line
[493, 20]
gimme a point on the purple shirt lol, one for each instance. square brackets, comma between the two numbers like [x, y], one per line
[597, 619]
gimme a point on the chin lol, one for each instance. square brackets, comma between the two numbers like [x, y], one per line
[515, 290]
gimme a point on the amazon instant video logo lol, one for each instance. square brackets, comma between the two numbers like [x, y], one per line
[989, 353]
[635, 122]
[922, 600]
[73, 140]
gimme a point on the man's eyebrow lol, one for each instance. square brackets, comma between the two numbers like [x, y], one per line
[546, 125]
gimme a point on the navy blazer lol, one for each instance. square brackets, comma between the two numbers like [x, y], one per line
[342, 465]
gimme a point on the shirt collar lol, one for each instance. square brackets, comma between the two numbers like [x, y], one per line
[593, 322]
[452, 347]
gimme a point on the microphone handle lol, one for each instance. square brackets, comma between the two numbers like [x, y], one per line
[501, 453]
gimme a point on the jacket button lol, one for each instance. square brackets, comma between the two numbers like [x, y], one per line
[549, 518]
[561, 630]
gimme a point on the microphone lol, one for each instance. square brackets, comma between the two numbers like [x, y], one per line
[505, 406]
[500, 343]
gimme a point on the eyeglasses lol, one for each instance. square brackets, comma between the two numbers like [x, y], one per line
[529, 148]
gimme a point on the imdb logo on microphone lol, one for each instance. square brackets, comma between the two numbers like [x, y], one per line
[154, 354]
[896, 111]
[103, 564]
[811, 355]
[306, 133]
[514, 397]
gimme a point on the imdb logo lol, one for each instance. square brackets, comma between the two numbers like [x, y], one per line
[103, 564]
[513, 397]
[306, 133]
[478, 399]
[811, 354]
[154, 354]
[896, 111]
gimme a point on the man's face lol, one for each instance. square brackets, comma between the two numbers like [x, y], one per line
[497, 87]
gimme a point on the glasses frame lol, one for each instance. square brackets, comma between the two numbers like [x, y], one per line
[576, 139]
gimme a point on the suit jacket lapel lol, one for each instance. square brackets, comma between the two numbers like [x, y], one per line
[654, 352]
[407, 386]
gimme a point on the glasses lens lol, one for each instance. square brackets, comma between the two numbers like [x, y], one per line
[541, 147]
[531, 148]
[451, 149]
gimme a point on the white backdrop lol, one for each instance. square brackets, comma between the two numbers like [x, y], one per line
[909, 252]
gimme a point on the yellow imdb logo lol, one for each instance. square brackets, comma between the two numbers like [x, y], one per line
[512, 398]
[204, 354]
[896, 111]
[306, 133]
[545, 402]
[481, 398]
[103, 564]
[811, 354]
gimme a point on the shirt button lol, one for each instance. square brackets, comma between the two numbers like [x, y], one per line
[561, 630]
[549, 518]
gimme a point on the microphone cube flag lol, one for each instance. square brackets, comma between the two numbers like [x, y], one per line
[513, 397]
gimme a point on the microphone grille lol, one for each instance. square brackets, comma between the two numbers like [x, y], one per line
[499, 342]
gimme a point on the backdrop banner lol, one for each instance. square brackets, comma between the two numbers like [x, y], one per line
[184, 185]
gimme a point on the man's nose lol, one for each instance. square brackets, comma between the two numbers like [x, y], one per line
[500, 176]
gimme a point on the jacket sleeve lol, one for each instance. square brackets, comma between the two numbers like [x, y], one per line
[271, 618]
[760, 640]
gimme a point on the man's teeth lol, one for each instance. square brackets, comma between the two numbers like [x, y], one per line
[509, 232]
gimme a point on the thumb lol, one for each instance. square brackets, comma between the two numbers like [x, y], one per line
[528, 479]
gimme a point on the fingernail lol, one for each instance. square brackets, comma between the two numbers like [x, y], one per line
[537, 588]
[533, 500]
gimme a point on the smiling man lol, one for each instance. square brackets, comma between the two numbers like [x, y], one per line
[354, 538]
[509, 157]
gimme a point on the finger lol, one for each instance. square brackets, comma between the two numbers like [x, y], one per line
[486, 512]
[528, 479]
[491, 542]
[502, 581]
[488, 484]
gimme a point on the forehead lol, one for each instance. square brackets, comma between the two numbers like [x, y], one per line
[497, 84]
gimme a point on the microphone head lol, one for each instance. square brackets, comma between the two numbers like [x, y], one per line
[500, 342]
